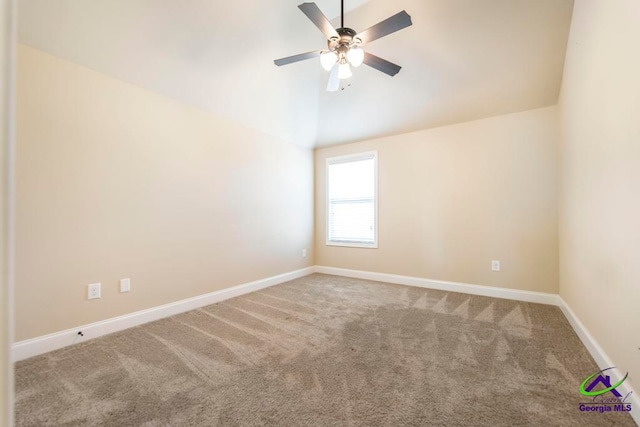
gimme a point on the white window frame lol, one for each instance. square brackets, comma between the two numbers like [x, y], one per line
[346, 159]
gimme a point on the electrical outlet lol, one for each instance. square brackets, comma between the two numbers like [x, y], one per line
[125, 285]
[304, 253]
[495, 265]
[93, 291]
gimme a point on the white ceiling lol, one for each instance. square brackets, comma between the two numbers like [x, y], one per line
[462, 59]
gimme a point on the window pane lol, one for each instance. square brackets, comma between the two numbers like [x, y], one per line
[351, 198]
[352, 179]
[352, 221]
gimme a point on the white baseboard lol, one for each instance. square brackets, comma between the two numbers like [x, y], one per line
[40, 345]
[601, 358]
[465, 288]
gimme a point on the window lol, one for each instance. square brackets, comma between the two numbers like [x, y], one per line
[352, 205]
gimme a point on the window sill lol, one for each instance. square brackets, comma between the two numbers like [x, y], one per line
[353, 245]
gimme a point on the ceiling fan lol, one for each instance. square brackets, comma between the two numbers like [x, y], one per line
[344, 45]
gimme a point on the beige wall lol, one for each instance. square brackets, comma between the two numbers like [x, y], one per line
[600, 177]
[6, 67]
[117, 182]
[454, 198]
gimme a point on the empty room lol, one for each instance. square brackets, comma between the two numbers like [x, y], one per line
[356, 212]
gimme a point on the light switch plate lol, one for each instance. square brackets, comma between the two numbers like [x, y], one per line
[125, 285]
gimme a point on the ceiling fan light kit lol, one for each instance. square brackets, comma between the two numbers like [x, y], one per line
[328, 59]
[344, 45]
[345, 52]
[344, 71]
[355, 56]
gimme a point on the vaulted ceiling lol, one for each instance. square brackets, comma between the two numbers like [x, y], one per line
[462, 59]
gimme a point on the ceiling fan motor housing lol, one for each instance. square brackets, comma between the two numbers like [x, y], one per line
[347, 38]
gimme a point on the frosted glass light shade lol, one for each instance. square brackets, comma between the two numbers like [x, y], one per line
[355, 56]
[328, 60]
[344, 71]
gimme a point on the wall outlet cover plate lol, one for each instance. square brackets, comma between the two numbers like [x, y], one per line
[93, 291]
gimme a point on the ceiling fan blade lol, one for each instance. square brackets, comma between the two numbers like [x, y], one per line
[334, 82]
[296, 58]
[381, 64]
[390, 25]
[317, 17]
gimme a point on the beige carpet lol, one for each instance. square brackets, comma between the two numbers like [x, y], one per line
[323, 350]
